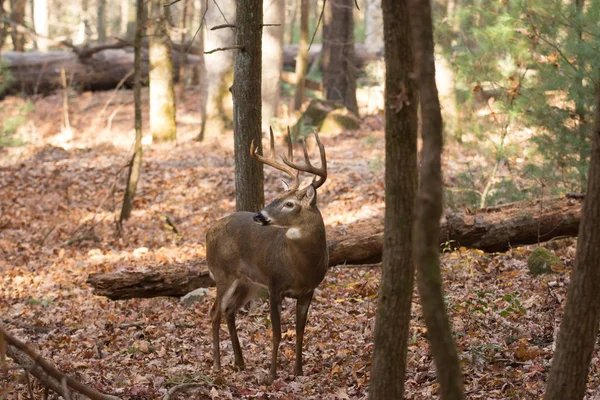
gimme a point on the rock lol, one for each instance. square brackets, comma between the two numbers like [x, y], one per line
[338, 121]
[541, 261]
[195, 296]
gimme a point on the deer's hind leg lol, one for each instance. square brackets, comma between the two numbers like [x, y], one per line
[216, 322]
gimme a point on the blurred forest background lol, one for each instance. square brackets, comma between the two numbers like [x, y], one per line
[516, 83]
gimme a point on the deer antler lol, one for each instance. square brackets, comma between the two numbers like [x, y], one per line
[290, 170]
[320, 173]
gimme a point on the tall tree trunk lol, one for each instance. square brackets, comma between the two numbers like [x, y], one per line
[3, 24]
[199, 77]
[429, 211]
[40, 22]
[373, 25]
[136, 163]
[220, 74]
[180, 73]
[17, 15]
[162, 94]
[395, 293]
[131, 23]
[339, 71]
[272, 55]
[101, 20]
[292, 8]
[249, 193]
[302, 57]
[579, 326]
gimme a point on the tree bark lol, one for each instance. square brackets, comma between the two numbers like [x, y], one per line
[429, 211]
[395, 292]
[579, 326]
[220, 74]
[40, 22]
[101, 20]
[272, 56]
[136, 163]
[491, 229]
[162, 93]
[17, 15]
[302, 57]
[249, 192]
[339, 75]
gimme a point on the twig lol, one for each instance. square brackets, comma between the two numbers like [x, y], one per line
[114, 93]
[237, 46]
[217, 27]
[38, 329]
[271, 25]
[318, 23]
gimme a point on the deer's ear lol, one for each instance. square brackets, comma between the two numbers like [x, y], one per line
[286, 187]
[311, 195]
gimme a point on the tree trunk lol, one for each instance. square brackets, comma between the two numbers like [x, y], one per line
[17, 15]
[429, 211]
[220, 74]
[396, 288]
[199, 77]
[272, 56]
[339, 75]
[131, 22]
[162, 94]
[373, 25]
[3, 25]
[136, 163]
[40, 18]
[302, 58]
[579, 326]
[101, 20]
[249, 192]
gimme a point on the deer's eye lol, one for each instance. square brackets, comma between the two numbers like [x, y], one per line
[289, 204]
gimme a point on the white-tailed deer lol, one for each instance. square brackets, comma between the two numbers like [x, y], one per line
[282, 247]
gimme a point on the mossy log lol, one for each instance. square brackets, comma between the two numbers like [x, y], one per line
[491, 229]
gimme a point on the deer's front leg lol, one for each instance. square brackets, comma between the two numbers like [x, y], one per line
[302, 306]
[275, 301]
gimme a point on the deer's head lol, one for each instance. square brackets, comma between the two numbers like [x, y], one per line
[296, 206]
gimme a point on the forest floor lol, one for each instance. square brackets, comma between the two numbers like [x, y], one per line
[60, 192]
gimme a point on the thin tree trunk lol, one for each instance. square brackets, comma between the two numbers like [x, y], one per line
[162, 93]
[339, 71]
[579, 326]
[3, 25]
[219, 75]
[302, 58]
[291, 23]
[272, 55]
[136, 163]
[17, 15]
[395, 293]
[101, 20]
[249, 193]
[201, 76]
[427, 228]
[182, 54]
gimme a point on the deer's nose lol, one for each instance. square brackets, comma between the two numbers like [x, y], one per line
[261, 219]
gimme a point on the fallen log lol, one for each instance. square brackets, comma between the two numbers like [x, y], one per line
[492, 229]
[100, 68]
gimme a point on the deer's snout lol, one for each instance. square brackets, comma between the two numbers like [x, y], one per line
[260, 218]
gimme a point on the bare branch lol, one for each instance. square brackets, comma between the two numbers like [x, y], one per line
[237, 46]
[43, 370]
[217, 27]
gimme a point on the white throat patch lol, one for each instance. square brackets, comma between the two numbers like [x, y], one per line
[293, 233]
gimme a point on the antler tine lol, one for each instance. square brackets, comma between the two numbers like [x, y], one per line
[273, 162]
[321, 172]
